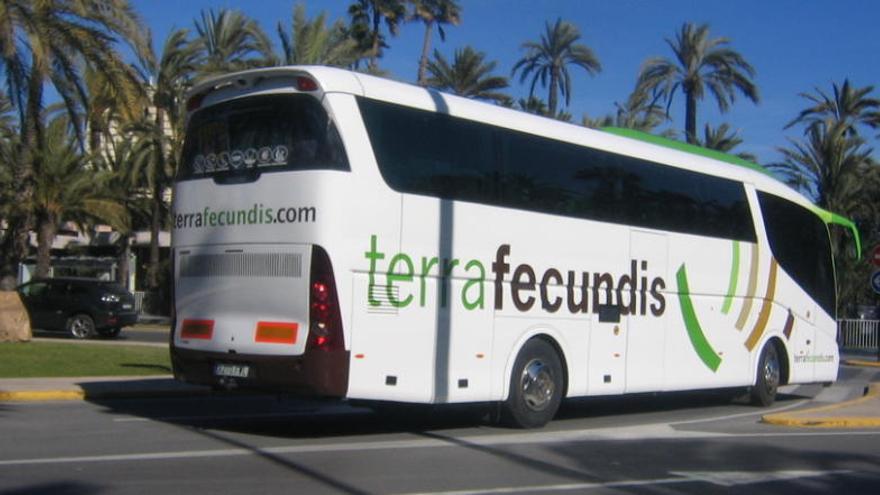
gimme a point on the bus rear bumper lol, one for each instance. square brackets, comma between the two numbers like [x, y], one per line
[315, 373]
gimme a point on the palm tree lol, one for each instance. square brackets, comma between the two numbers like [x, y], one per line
[50, 41]
[65, 189]
[640, 112]
[852, 106]
[109, 103]
[701, 63]
[550, 58]
[159, 133]
[836, 167]
[10, 147]
[312, 42]
[432, 12]
[124, 166]
[724, 139]
[469, 75]
[536, 106]
[229, 41]
[366, 24]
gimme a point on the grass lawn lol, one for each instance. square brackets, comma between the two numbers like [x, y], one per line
[51, 359]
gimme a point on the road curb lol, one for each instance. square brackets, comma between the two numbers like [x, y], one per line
[42, 395]
[81, 394]
[801, 418]
[859, 362]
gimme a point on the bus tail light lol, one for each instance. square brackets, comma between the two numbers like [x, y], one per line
[274, 332]
[306, 84]
[197, 329]
[325, 323]
[195, 101]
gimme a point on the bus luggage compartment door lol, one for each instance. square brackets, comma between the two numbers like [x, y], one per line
[243, 299]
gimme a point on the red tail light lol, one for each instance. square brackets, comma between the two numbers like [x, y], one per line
[195, 101]
[325, 323]
[197, 329]
[306, 84]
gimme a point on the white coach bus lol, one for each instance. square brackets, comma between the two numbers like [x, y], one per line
[343, 235]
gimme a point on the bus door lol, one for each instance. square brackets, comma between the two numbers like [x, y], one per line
[608, 327]
[646, 333]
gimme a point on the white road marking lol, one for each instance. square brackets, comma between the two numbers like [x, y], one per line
[757, 412]
[720, 478]
[605, 434]
[242, 417]
[734, 478]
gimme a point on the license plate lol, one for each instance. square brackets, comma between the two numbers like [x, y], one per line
[232, 370]
[126, 306]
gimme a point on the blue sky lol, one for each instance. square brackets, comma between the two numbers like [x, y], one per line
[794, 45]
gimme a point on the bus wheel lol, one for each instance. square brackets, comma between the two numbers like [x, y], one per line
[769, 376]
[535, 386]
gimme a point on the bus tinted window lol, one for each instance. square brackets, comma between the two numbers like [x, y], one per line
[434, 154]
[240, 139]
[799, 241]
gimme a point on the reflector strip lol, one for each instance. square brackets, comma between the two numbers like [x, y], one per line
[273, 332]
[197, 329]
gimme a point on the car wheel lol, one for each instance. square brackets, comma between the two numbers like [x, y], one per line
[81, 326]
[110, 333]
[536, 386]
[769, 377]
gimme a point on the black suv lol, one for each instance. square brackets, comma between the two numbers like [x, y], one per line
[81, 306]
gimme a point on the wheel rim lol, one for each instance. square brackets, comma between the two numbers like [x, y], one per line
[771, 373]
[80, 327]
[537, 385]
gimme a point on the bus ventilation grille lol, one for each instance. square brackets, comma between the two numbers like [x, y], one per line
[379, 293]
[242, 265]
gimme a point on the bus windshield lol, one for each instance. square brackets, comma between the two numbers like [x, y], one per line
[238, 140]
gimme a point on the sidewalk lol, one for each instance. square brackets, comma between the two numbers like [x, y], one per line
[862, 412]
[93, 388]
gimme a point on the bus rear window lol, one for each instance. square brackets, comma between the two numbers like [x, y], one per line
[239, 140]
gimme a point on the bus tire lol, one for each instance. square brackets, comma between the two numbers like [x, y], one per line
[536, 386]
[769, 377]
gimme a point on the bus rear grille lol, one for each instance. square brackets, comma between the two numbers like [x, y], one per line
[379, 293]
[242, 265]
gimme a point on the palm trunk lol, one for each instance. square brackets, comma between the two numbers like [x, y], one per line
[690, 117]
[8, 259]
[552, 100]
[156, 208]
[374, 50]
[426, 47]
[23, 174]
[47, 228]
[122, 271]
[155, 227]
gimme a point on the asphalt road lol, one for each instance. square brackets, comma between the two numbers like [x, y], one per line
[682, 443]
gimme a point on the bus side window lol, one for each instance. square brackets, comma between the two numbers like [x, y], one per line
[800, 243]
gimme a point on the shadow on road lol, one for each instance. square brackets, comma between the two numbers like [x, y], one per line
[282, 416]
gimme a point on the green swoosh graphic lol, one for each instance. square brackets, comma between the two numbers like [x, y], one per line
[734, 279]
[698, 339]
